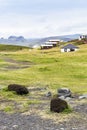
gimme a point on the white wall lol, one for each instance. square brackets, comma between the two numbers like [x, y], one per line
[68, 50]
[62, 50]
[76, 49]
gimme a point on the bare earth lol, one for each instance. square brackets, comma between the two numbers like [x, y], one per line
[38, 118]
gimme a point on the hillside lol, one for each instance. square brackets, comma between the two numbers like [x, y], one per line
[42, 71]
[12, 47]
[48, 67]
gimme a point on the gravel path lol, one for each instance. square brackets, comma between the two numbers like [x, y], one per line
[20, 121]
[38, 116]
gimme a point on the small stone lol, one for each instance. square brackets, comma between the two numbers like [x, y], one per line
[74, 128]
[83, 96]
[67, 98]
[62, 97]
[64, 92]
[62, 129]
[49, 94]
[15, 126]
[4, 128]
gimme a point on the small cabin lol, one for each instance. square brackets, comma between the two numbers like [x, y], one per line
[54, 42]
[69, 48]
[51, 43]
[44, 46]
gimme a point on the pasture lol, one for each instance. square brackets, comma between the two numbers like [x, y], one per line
[50, 68]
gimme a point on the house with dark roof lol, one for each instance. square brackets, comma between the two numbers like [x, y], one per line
[69, 48]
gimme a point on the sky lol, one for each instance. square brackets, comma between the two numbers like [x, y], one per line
[42, 18]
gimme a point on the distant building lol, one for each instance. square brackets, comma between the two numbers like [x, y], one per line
[44, 46]
[50, 44]
[69, 48]
[55, 42]
[82, 37]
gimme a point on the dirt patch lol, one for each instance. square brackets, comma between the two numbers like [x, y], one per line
[14, 67]
[17, 64]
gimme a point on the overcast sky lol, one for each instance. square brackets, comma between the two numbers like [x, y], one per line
[41, 18]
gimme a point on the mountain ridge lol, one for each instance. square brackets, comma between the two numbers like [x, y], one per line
[20, 40]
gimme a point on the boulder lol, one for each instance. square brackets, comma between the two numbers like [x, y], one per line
[58, 105]
[64, 92]
[19, 89]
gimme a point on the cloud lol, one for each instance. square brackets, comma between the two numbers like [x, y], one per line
[42, 18]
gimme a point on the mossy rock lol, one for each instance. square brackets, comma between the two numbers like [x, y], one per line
[19, 89]
[58, 105]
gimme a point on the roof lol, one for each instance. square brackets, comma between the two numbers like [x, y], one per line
[69, 46]
[50, 43]
[54, 40]
[45, 45]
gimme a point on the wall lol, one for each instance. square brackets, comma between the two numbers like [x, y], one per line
[68, 50]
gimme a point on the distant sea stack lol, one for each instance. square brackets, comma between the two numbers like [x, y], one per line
[18, 39]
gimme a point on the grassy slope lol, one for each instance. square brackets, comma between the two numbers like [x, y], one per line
[11, 47]
[51, 68]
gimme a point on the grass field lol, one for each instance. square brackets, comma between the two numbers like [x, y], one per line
[46, 68]
[49, 69]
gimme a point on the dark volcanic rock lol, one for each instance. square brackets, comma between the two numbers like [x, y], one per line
[19, 89]
[58, 105]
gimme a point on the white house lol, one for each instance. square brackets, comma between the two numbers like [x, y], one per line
[83, 36]
[69, 48]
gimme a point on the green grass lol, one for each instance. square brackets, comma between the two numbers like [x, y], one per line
[12, 47]
[68, 110]
[8, 109]
[50, 68]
